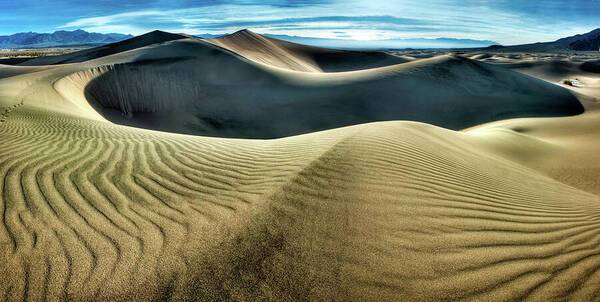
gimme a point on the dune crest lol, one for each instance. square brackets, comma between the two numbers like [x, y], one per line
[299, 57]
[150, 38]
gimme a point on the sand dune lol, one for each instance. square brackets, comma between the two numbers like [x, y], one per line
[591, 66]
[552, 70]
[102, 51]
[302, 57]
[384, 211]
[191, 87]
[564, 148]
[7, 71]
[374, 211]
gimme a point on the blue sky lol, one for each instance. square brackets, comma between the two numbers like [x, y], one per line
[504, 21]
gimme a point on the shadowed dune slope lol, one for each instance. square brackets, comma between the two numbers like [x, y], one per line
[555, 68]
[192, 87]
[591, 66]
[105, 50]
[552, 70]
[300, 57]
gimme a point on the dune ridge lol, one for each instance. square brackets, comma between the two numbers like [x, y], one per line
[300, 57]
[150, 38]
[396, 210]
[231, 97]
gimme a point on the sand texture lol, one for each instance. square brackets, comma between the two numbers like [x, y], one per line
[485, 190]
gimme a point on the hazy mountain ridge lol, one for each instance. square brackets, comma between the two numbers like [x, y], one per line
[583, 42]
[59, 38]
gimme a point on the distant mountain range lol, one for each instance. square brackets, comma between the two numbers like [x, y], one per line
[59, 38]
[418, 43]
[585, 42]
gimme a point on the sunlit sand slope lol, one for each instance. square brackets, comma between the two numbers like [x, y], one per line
[7, 71]
[377, 211]
[565, 148]
[300, 57]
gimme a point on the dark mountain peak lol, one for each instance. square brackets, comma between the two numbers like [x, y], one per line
[586, 42]
[589, 41]
[590, 34]
[594, 32]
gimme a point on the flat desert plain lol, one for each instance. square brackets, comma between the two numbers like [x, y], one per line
[245, 168]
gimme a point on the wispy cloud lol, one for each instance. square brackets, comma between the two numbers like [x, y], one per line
[111, 19]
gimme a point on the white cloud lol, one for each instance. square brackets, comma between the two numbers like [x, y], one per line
[110, 19]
